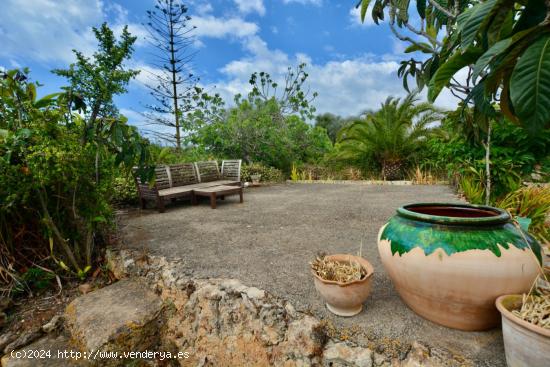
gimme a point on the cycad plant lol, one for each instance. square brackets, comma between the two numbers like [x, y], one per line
[389, 136]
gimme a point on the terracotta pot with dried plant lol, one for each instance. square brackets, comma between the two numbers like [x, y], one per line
[344, 282]
[526, 324]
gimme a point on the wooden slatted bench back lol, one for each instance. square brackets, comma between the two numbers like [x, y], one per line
[208, 171]
[183, 174]
[162, 181]
[162, 178]
[231, 169]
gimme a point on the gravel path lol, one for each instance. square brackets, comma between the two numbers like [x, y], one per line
[269, 240]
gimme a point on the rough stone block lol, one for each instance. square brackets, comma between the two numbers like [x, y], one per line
[120, 317]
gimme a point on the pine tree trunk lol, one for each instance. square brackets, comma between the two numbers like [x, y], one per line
[174, 80]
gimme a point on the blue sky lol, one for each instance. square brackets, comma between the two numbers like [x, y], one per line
[351, 65]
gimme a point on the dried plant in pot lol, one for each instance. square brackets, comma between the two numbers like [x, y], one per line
[526, 324]
[344, 282]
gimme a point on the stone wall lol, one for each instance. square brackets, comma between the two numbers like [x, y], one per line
[221, 322]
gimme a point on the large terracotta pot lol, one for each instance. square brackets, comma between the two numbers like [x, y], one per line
[449, 262]
[525, 344]
[345, 299]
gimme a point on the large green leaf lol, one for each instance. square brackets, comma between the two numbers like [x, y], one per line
[532, 15]
[469, 22]
[530, 86]
[364, 6]
[489, 56]
[439, 15]
[421, 8]
[504, 63]
[446, 71]
[420, 46]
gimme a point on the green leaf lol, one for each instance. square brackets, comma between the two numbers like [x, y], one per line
[421, 8]
[439, 15]
[46, 100]
[471, 21]
[530, 86]
[481, 102]
[489, 56]
[532, 15]
[421, 46]
[364, 6]
[31, 91]
[446, 71]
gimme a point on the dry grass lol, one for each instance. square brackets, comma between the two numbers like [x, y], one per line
[338, 271]
[535, 310]
[422, 177]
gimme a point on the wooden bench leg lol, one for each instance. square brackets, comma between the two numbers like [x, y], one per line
[213, 200]
[143, 203]
[160, 205]
[194, 200]
[241, 195]
[222, 197]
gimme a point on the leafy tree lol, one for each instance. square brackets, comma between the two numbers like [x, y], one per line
[505, 46]
[267, 126]
[456, 149]
[332, 124]
[53, 151]
[389, 136]
[291, 99]
[251, 132]
[93, 82]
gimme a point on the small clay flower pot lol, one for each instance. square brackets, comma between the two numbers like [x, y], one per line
[345, 299]
[525, 344]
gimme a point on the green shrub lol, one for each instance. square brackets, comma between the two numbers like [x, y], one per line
[269, 174]
[531, 202]
[170, 155]
[472, 189]
[124, 191]
[34, 279]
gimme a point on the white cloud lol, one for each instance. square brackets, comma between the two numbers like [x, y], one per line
[346, 87]
[210, 26]
[203, 8]
[304, 2]
[249, 6]
[355, 17]
[48, 31]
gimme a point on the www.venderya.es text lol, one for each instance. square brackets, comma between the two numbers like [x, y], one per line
[97, 354]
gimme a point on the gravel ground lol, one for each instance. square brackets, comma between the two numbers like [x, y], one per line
[269, 241]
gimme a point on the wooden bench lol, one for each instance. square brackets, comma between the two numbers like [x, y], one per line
[209, 172]
[182, 180]
[171, 182]
[215, 192]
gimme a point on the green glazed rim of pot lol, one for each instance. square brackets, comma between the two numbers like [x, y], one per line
[461, 214]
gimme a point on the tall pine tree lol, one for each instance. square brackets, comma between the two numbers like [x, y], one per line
[172, 82]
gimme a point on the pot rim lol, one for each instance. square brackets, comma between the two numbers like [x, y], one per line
[362, 261]
[500, 217]
[513, 318]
